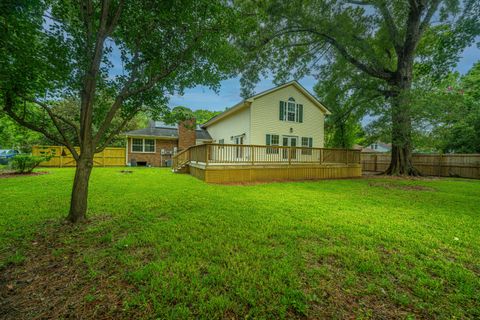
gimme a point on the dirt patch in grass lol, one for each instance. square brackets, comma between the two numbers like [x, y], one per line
[53, 282]
[372, 175]
[389, 185]
[9, 174]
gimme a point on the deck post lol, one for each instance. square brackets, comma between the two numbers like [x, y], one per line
[321, 156]
[252, 154]
[207, 154]
[289, 155]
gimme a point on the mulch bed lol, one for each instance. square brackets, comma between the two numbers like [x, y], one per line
[9, 174]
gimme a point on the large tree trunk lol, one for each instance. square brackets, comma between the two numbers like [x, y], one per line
[79, 198]
[401, 160]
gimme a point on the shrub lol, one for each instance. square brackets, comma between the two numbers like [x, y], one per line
[24, 163]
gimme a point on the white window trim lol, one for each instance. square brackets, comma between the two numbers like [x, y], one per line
[308, 142]
[273, 150]
[295, 112]
[143, 146]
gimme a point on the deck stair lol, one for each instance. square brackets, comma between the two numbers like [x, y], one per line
[181, 161]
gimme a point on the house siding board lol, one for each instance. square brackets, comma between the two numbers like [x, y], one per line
[265, 118]
[154, 159]
[233, 125]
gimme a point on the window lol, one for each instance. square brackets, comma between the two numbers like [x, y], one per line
[291, 111]
[307, 143]
[272, 140]
[149, 145]
[143, 145]
[221, 141]
[137, 145]
[238, 150]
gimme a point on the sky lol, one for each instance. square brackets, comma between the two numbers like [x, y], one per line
[201, 97]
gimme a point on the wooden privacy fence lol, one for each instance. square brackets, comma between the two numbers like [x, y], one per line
[61, 156]
[442, 165]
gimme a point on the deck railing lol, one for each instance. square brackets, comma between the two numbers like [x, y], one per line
[228, 154]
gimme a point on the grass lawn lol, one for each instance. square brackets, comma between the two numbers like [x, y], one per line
[163, 245]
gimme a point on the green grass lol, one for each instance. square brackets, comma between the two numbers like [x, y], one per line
[328, 249]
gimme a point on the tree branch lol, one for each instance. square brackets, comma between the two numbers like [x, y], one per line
[65, 120]
[57, 125]
[381, 74]
[126, 92]
[388, 19]
[428, 17]
[115, 132]
[89, 82]
[8, 109]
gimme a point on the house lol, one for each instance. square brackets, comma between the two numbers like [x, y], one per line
[154, 146]
[375, 147]
[287, 115]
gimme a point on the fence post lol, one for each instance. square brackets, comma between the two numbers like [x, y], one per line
[440, 160]
[61, 157]
[346, 161]
[375, 166]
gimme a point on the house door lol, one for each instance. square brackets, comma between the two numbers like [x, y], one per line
[239, 150]
[289, 142]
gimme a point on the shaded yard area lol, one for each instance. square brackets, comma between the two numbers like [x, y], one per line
[170, 246]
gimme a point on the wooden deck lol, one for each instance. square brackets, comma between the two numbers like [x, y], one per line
[229, 163]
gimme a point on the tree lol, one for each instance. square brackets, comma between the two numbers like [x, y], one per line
[203, 115]
[53, 50]
[379, 38]
[453, 109]
[181, 113]
[348, 96]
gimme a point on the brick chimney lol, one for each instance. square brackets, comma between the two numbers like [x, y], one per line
[186, 133]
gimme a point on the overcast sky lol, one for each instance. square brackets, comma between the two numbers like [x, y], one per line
[229, 94]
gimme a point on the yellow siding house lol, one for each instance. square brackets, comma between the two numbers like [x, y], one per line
[287, 115]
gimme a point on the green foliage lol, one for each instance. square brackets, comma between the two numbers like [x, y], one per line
[13, 135]
[47, 63]
[181, 113]
[203, 115]
[188, 249]
[25, 163]
[447, 113]
[348, 95]
[295, 38]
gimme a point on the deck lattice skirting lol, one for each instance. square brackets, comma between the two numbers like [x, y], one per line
[229, 163]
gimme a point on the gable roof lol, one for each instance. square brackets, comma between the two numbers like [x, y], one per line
[247, 102]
